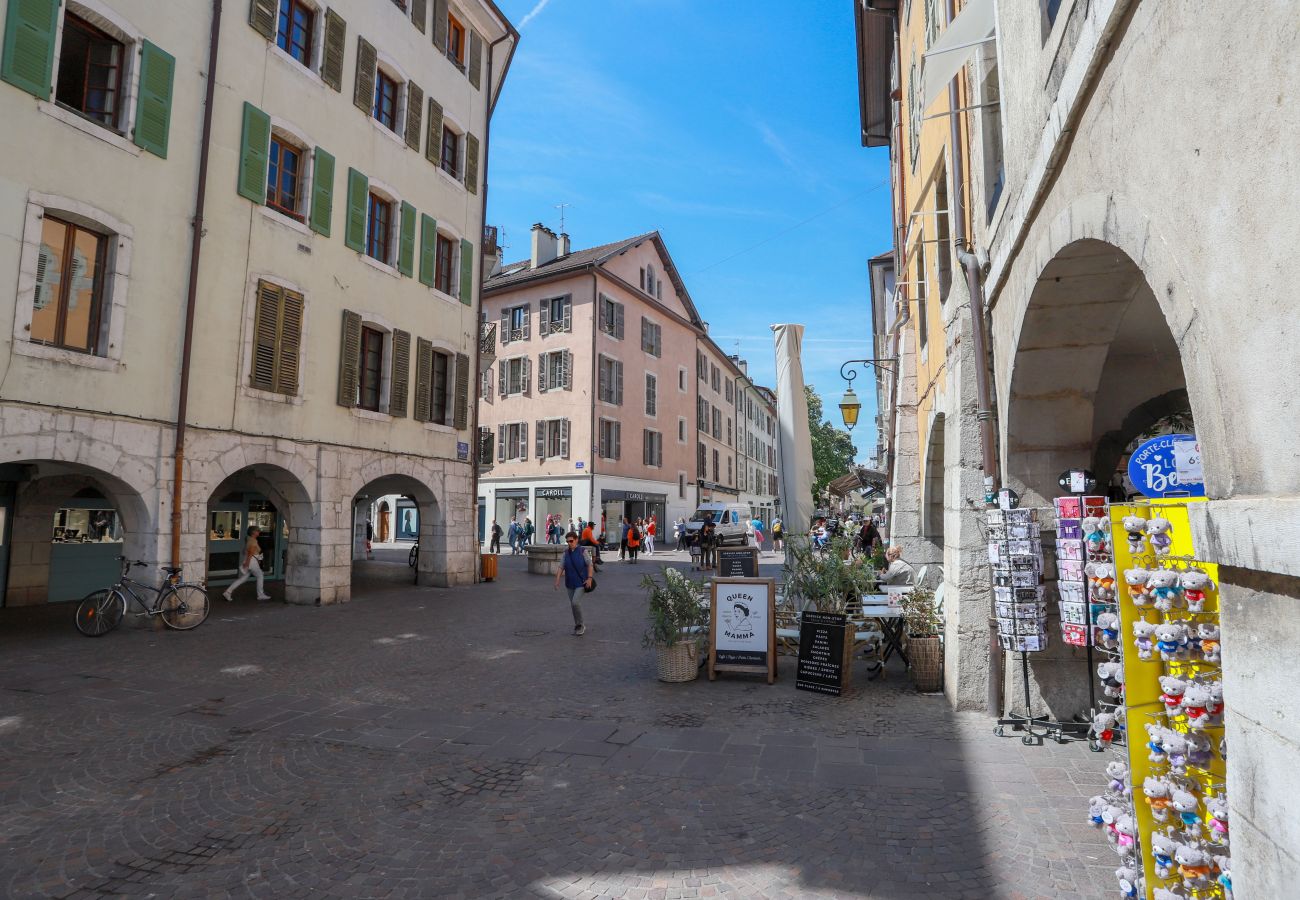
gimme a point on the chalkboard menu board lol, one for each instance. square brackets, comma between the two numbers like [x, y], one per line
[737, 562]
[824, 653]
[742, 632]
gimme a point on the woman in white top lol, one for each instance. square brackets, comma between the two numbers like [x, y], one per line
[898, 571]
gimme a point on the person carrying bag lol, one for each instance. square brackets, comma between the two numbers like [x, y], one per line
[577, 572]
[633, 541]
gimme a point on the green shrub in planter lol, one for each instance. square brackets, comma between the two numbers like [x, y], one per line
[676, 603]
[824, 579]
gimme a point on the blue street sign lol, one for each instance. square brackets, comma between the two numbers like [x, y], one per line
[577, 465]
[1168, 465]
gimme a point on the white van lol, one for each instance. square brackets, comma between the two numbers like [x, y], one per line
[730, 521]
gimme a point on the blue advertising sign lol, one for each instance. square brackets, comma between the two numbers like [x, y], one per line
[1169, 464]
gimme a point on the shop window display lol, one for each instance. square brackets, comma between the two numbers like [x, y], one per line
[81, 526]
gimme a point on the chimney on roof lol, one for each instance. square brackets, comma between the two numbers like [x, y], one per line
[544, 245]
[564, 245]
[740, 363]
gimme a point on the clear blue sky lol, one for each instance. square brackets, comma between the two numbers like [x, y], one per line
[733, 130]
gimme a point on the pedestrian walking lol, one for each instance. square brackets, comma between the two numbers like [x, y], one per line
[250, 565]
[529, 531]
[694, 543]
[578, 574]
[679, 532]
[623, 528]
[370, 540]
[512, 536]
[633, 539]
[757, 525]
[708, 542]
[650, 528]
[494, 545]
[778, 535]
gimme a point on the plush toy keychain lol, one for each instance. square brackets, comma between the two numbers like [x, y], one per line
[1126, 836]
[1208, 635]
[1164, 589]
[1103, 728]
[1156, 742]
[1193, 866]
[1143, 638]
[1112, 679]
[1136, 528]
[1118, 773]
[1136, 579]
[1101, 576]
[1195, 703]
[1198, 750]
[1217, 809]
[1158, 532]
[1171, 641]
[1108, 630]
[1176, 751]
[1130, 882]
[1169, 894]
[1172, 689]
[1187, 807]
[1225, 875]
[1162, 854]
[1215, 708]
[1195, 583]
[1096, 538]
[1096, 806]
[1156, 791]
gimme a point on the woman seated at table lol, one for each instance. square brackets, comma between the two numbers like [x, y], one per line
[898, 572]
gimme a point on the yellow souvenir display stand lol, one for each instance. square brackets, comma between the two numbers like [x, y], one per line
[1182, 845]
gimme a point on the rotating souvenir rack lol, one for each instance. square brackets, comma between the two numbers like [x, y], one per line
[1085, 580]
[1165, 808]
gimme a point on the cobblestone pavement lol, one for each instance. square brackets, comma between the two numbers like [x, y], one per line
[462, 743]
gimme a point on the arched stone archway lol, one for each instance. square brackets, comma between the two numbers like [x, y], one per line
[932, 484]
[431, 564]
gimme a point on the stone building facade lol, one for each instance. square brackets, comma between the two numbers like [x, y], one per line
[1132, 229]
[335, 303]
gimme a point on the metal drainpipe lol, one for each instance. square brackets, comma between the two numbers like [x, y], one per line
[599, 508]
[979, 348]
[196, 250]
[478, 309]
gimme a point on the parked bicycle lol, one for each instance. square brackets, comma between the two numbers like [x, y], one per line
[181, 605]
[414, 556]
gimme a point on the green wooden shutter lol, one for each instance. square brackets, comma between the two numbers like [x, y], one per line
[461, 418]
[414, 115]
[290, 347]
[254, 154]
[350, 359]
[336, 35]
[262, 16]
[28, 60]
[471, 163]
[401, 377]
[154, 113]
[354, 235]
[406, 241]
[433, 145]
[322, 193]
[475, 60]
[266, 336]
[466, 273]
[363, 95]
[428, 248]
[423, 380]
[420, 14]
[440, 25]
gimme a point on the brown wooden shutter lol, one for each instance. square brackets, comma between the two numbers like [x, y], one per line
[568, 313]
[290, 354]
[568, 370]
[423, 380]
[350, 359]
[475, 60]
[543, 317]
[440, 25]
[471, 163]
[525, 376]
[618, 440]
[564, 438]
[262, 16]
[618, 383]
[433, 143]
[618, 321]
[401, 377]
[331, 64]
[266, 327]
[461, 420]
[501, 443]
[541, 439]
[541, 373]
[502, 371]
[363, 95]
[420, 14]
[414, 115]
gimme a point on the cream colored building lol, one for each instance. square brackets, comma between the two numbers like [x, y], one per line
[335, 302]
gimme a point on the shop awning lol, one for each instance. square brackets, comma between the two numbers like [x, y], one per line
[860, 478]
[973, 26]
[875, 28]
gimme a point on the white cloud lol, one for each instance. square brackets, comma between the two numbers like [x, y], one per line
[533, 13]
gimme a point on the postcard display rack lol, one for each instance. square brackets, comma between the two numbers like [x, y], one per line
[1016, 558]
[1165, 809]
[1083, 548]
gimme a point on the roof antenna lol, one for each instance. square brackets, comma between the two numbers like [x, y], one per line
[562, 207]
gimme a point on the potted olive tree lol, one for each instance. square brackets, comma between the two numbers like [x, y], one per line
[678, 614]
[823, 579]
[924, 647]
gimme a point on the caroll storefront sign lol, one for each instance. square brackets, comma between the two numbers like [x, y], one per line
[1169, 465]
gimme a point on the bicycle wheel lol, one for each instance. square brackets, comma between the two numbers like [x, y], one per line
[183, 607]
[414, 556]
[100, 613]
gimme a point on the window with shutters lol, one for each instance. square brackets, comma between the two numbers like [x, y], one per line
[379, 228]
[445, 264]
[485, 385]
[681, 379]
[558, 315]
[715, 465]
[651, 394]
[286, 177]
[553, 438]
[455, 40]
[555, 371]
[652, 448]
[701, 462]
[681, 430]
[651, 337]
[609, 444]
[450, 151]
[69, 291]
[514, 440]
[485, 457]
[609, 376]
[701, 367]
[717, 424]
[609, 315]
[92, 64]
[730, 475]
[728, 431]
[514, 379]
[440, 398]
[715, 379]
[515, 324]
[650, 280]
[370, 369]
[295, 31]
[277, 339]
[728, 390]
[385, 108]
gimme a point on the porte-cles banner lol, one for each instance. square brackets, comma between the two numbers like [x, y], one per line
[1168, 465]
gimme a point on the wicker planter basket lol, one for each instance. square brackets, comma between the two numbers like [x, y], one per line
[679, 662]
[927, 663]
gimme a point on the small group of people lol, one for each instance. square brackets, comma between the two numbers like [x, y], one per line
[518, 535]
[634, 535]
[703, 545]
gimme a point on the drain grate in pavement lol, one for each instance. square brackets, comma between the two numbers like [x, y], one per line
[529, 632]
[680, 720]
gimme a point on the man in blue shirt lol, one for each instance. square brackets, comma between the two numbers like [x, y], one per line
[577, 572]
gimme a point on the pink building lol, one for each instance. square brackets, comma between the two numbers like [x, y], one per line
[589, 407]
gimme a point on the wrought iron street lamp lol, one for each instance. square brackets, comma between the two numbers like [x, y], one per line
[850, 405]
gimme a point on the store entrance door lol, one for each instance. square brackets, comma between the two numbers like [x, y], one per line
[228, 524]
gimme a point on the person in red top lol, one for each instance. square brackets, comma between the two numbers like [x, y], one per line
[650, 536]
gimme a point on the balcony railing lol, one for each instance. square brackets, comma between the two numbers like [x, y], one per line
[487, 341]
[489, 239]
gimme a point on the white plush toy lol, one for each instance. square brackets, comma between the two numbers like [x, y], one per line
[1164, 589]
[1195, 702]
[1130, 882]
[1136, 528]
[1216, 809]
[1156, 791]
[1144, 638]
[1162, 854]
[1208, 635]
[1172, 689]
[1101, 576]
[1103, 728]
[1118, 773]
[1156, 742]
[1224, 865]
[1137, 579]
[1195, 583]
[1176, 751]
[1126, 836]
[1215, 709]
[1193, 866]
[1096, 537]
[1158, 533]
[1198, 750]
[1171, 641]
[1108, 630]
[1112, 678]
[1186, 806]
[1096, 806]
